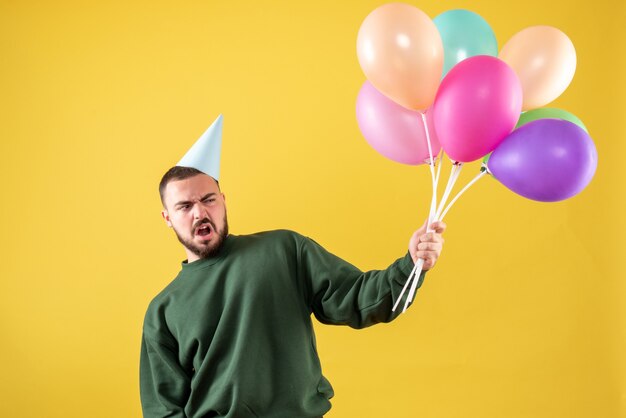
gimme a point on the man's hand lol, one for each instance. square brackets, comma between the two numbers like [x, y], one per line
[427, 245]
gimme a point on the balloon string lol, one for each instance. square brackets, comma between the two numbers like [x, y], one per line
[413, 278]
[431, 165]
[435, 179]
[470, 184]
[454, 175]
[406, 285]
[417, 268]
[431, 215]
[416, 278]
[440, 158]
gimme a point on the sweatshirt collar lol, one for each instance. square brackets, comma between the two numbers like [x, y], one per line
[209, 261]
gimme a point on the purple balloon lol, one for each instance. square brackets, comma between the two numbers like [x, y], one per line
[546, 160]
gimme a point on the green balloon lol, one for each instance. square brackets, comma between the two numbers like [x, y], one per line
[484, 164]
[549, 113]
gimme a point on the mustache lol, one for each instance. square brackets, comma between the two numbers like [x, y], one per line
[203, 221]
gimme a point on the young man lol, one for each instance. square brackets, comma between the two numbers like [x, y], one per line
[232, 335]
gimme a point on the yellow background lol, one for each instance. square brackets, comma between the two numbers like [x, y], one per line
[523, 317]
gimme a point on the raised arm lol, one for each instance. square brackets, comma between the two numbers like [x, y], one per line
[341, 294]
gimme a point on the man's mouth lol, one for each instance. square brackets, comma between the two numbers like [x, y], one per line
[204, 230]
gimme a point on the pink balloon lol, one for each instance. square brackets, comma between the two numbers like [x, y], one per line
[477, 106]
[394, 131]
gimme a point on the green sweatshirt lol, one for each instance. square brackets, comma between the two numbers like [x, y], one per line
[232, 336]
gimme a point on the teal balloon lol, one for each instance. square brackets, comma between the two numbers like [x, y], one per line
[549, 113]
[464, 34]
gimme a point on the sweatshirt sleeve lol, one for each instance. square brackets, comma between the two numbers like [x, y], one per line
[164, 385]
[341, 294]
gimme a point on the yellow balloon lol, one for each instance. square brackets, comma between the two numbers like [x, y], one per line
[401, 53]
[544, 59]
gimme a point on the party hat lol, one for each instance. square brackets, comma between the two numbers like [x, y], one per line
[204, 155]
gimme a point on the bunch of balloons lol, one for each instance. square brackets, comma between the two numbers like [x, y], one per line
[441, 86]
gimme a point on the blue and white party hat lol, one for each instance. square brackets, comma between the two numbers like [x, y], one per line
[204, 155]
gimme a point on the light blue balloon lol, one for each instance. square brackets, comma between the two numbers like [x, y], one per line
[464, 34]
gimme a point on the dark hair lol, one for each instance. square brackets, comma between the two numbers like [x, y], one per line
[178, 173]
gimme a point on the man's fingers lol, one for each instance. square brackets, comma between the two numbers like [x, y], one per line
[429, 246]
[431, 237]
[428, 257]
[439, 227]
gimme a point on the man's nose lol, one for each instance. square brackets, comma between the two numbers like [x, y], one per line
[199, 211]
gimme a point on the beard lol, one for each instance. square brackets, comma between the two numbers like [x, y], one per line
[211, 249]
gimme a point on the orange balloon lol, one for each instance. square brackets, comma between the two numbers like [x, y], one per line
[401, 53]
[544, 59]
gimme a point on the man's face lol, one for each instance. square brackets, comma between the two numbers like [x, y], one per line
[195, 208]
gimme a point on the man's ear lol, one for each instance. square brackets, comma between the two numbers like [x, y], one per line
[166, 217]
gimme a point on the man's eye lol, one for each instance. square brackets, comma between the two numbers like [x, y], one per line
[183, 207]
